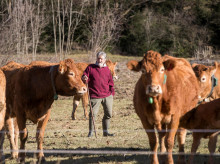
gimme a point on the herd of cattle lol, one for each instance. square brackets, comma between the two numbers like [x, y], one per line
[170, 97]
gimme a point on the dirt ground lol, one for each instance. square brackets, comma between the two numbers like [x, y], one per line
[66, 139]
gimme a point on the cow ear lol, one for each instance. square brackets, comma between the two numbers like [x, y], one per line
[62, 67]
[213, 69]
[169, 64]
[134, 65]
[115, 63]
[194, 65]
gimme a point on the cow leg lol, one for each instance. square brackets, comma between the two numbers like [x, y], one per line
[170, 137]
[10, 128]
[212, 146]
[85, 102]
[2, 133]
[152, 139]
[76, 100]
[21, 120]
[196, 141]
[181, 137]
[162, 135]
[40, 135]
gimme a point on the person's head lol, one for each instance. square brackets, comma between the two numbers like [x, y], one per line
[101, 58]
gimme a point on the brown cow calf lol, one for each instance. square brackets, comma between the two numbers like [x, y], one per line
[204, 117]
[166, 90]
[32, 90]
[209, 81]
[2, 112]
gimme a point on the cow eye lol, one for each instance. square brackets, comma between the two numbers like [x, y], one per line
[71, 74]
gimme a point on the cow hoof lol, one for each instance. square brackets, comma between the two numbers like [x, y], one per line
[73, 118]
[41, 160]
[15, 155]
[21, 160]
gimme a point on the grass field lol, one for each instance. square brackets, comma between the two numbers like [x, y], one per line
[62, 133]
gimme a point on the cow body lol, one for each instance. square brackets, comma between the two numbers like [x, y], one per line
[204, 117]
[2, 111]
[166, 90]
[34, 87]
[207, 76]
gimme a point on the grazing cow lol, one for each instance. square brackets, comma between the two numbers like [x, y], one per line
[32, 90]
[204, 117]
[2, 112]
[166, 90]
[76, 99]
[209, 81]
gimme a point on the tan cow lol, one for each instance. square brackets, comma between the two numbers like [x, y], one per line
[32, 90]
[81, 68]
[205, 118]
[2, 112]
[209, 81]
[166, 90]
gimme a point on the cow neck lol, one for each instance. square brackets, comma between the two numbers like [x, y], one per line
[157, 111]
[55, 97]
[214, 83]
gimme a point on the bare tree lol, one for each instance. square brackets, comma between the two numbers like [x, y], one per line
[104, 25]
[22, 27]
[66, 15]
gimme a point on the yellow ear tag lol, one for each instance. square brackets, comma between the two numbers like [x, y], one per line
[150, 100]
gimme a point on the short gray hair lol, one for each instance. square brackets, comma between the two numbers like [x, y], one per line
[101, 53]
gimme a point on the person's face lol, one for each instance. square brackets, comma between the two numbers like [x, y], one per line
[101, 59]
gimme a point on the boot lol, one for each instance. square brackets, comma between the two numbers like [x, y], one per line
[105, 126]
[91, 127]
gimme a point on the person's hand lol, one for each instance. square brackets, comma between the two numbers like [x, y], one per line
[84, 78]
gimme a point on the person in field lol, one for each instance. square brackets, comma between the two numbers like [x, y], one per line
[101, 91]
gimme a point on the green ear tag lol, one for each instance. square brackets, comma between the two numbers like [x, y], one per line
[55, 97]
[150, 100]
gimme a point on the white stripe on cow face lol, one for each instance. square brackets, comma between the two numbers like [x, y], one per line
[154, 89]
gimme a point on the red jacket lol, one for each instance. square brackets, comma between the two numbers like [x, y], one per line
[100, 81]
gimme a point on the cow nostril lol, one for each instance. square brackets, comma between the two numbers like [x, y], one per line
[84, 89]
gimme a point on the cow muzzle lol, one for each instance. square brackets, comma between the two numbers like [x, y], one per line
[153, 90]
[82, 90]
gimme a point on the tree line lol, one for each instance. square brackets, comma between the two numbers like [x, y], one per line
[183, 28]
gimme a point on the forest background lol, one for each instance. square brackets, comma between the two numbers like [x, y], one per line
[181, 28]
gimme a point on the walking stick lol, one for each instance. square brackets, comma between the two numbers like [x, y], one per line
[93, 121]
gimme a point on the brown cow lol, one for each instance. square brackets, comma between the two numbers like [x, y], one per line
[32, 90]
[2, 112]
[206, 118]
[10, 69]
[166, 90]
[76, 99]
[209, 81]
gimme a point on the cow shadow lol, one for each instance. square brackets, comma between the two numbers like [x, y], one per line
[80, 158]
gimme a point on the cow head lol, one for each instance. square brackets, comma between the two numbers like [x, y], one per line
[204, 74]
[153, 68]
[68, 82]
[112, 67]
